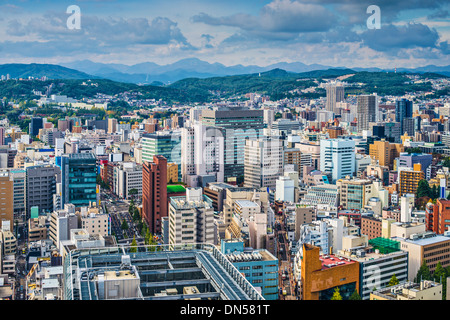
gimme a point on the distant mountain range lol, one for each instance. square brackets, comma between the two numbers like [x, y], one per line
[149, 72]
[40, 70]
[152, 73]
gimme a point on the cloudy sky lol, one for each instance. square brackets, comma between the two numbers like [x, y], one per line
[413, 33]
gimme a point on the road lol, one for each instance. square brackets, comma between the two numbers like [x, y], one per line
[286, 277]
[118, 210]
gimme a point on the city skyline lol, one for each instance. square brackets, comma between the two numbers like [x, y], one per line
[249, 33]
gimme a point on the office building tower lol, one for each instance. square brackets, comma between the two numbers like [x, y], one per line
[162, 143]
[35, 124]
[6, 199]
[263, 162]
[202, 155]
[40, 187]
[354, 194]
[112, 125]
[199, 227]
[128, 177]
[366, 111]
[337, 156]
[237, 124]
[403, 110]
[335, 93]
[78, 179]
[154, 193]
[385, 152]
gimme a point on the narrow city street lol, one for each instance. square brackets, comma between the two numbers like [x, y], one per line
[286, 279]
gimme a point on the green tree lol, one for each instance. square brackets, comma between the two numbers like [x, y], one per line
[124, 225]
[423, 273]
[434, 192]
[355, 296]
[440, 275]
[136, 215]
[423, 189]
[133, 245]
[394, 281]
[336, 295]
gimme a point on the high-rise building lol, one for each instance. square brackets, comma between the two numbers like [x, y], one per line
[263, 162]
[128, 176]
[335, 93]
[162, 143]
[112, 125]
[41, 186]
[409, 179]
[337, 156]
[154, 192]
[237, 124]
[6, 198]
[202, 154]
[366, 111]
[403, 110]
[191, 218]
[78, 179]
[35, 124]
[385, 152]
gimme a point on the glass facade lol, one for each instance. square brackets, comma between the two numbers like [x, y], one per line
[79, 179]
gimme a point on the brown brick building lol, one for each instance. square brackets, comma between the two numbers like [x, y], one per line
[371, 227]
[320, 275]
[154, 192]
[437, 216]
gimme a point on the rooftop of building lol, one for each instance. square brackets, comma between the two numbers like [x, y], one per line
[201, 265]
[432, 239]
[246, 204]
[401, 290]
[175, 188]
[331, 261]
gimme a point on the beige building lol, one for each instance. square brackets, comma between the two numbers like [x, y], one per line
[94, 221]
[385, 152]
[425, 246]
[7, 198]
[191, 218]
[37, 229]
[250, 194]
[172, 172]
[425, 290]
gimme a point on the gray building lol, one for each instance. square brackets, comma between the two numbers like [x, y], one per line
[41, 186]
[366, 111]
[237, 124]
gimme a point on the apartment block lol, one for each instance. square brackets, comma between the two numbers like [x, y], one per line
[191, 218]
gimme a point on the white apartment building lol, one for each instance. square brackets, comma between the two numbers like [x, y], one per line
[263, 162]
[202, 153]
[337, 156]
[127, 176]
[191, 218]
